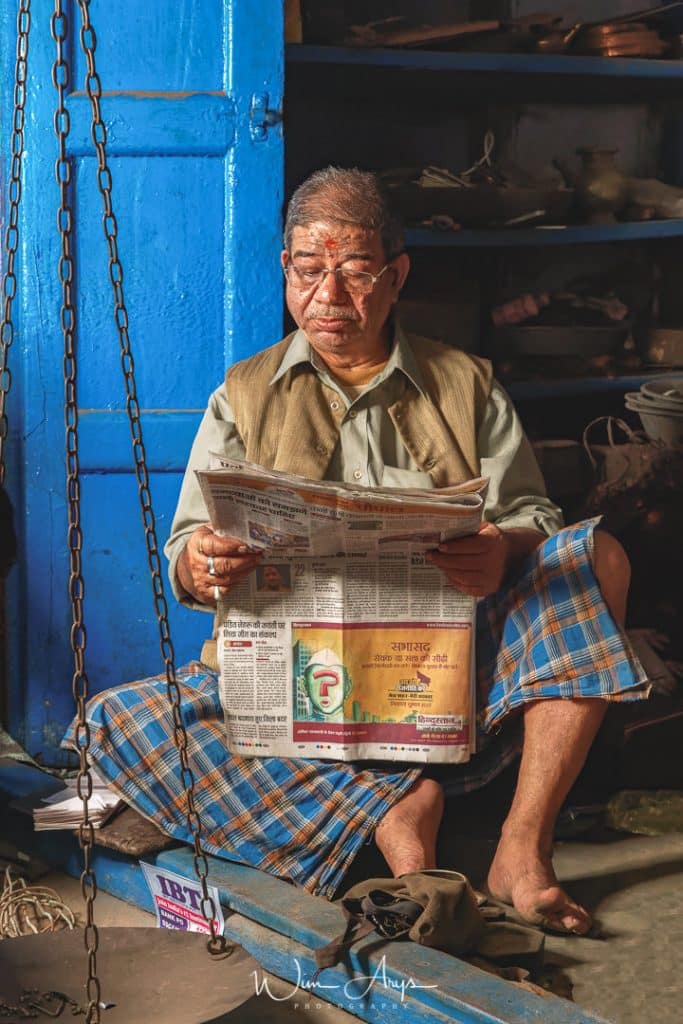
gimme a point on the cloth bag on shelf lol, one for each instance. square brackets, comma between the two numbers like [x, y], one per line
[625, 470]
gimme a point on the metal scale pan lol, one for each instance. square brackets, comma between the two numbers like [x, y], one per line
[151, 974]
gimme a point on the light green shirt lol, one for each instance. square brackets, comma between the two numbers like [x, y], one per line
[370, 451]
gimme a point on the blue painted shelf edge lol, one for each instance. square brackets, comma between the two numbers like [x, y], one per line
[512, 63]
[564, 386]
[572, 234]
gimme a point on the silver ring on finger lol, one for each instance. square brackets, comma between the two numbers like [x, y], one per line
[216, 593]
[211, 565]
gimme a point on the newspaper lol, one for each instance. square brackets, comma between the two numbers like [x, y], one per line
[346, 643]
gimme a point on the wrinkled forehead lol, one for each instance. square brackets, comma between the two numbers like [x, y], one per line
[337, 240]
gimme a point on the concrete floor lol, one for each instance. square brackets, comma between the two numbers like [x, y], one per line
[634, 886]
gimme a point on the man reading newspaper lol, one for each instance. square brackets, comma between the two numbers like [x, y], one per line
[349, 396]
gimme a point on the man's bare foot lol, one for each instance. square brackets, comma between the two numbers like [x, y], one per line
[406, 835]
[524, 877]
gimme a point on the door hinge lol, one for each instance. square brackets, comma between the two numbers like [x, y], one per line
[261, 117]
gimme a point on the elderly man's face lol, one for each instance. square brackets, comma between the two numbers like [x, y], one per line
[337, 322]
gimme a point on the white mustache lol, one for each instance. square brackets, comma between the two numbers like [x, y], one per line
[330, 313]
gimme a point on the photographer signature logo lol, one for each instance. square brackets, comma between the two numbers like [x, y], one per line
[353, 990]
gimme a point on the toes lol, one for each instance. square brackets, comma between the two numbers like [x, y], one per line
[577, 920]
[568, 924]
[565, 916]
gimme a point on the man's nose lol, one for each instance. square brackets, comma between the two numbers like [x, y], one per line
[331, 289]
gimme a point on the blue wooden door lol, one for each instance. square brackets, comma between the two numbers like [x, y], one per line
[192, 93]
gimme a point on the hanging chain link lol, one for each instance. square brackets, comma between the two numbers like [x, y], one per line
[93, 86]
[84, 786]
[9, 281]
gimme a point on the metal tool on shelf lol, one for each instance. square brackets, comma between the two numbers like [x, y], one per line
[628, 35]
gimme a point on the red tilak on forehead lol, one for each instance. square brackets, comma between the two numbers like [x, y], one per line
[331, 244]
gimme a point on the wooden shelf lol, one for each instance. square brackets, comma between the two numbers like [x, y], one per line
[441, 80]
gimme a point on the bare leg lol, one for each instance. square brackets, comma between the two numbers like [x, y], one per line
[557, 737]
[406, 835]
[613, 571]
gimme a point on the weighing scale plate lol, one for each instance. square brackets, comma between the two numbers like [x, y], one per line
[151, 974]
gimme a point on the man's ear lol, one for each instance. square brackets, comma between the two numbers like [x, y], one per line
[399, 268]
[284, 257]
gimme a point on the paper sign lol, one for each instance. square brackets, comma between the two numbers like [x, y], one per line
[178, 900]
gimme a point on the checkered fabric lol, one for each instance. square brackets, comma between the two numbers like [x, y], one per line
[546, 634]
[549, 633]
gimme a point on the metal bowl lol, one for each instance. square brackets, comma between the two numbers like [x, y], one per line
[637, 400]
[668, 388]
[666, 427]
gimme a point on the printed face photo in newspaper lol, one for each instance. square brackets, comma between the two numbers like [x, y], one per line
[273, 579]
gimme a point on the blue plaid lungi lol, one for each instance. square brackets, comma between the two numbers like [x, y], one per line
[546, 634]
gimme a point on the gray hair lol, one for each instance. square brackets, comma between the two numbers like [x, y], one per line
[347, 196]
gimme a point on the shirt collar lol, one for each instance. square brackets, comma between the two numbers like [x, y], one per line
[402, 358]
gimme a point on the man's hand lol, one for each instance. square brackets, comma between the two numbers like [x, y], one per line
[231, 561]
[476, 565]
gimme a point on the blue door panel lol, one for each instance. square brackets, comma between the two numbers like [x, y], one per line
[159, 45]
[123, 642]
[172, 242]
[165, 125]
[192, 96]
[122, 626]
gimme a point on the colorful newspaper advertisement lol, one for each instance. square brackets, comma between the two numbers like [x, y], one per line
[358, 647]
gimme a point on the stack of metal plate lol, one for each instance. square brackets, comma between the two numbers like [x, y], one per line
[659, 403]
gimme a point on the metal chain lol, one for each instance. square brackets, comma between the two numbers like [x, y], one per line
[9, 281]
[93, 86]
[79, 686]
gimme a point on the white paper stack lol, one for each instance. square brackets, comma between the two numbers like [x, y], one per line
[64, 809]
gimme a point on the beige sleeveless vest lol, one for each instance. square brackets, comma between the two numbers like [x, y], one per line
[293, 424]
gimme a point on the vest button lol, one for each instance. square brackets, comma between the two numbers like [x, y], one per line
[321, 449]
[357, 474]
[334, 405]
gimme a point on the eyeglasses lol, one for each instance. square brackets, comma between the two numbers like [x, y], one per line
[356, 282]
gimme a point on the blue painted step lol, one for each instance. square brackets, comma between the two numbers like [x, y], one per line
[281, 925]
